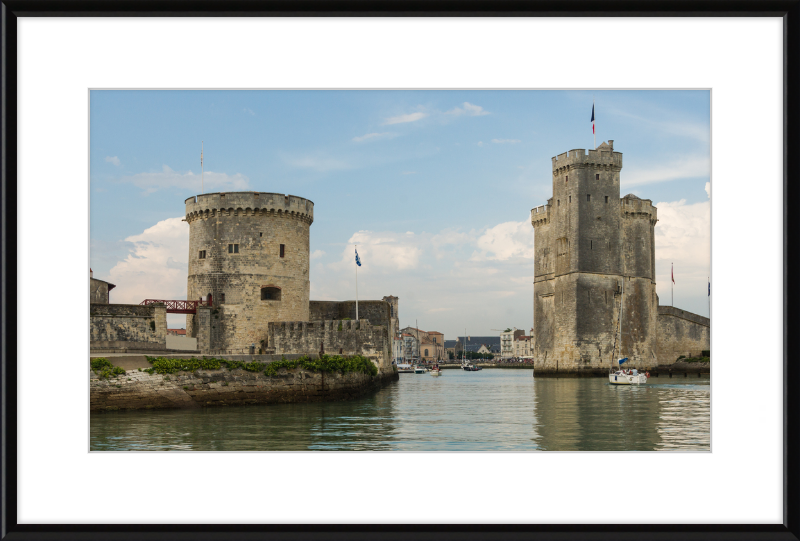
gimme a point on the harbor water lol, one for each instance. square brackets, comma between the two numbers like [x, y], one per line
[489, 410]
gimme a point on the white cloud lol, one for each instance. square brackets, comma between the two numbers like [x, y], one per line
[505, 241]
[690, 167]
[316, 254]
[480, 143]
[248, 111]
[469, 110]
[401, 119]
[708, 189]
[505, 141]
[114, 160]
[439, 274]
[373, 136]
[683, 238]
[167, 178]
[156, 267]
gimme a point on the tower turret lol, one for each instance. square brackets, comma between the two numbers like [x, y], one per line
[249, 255]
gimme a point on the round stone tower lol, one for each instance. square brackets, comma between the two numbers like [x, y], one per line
[249, 258]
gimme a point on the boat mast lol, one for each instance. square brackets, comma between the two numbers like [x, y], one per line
[621, 308]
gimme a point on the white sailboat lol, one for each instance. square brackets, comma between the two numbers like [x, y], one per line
[620, 376]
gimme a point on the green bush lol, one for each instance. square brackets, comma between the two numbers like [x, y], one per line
[326, 363]
[104, 369]
[166, 365]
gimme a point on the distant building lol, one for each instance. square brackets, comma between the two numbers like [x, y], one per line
[430, 343]
[410, 347]
[474, 343]
[507, 342]
[176, 332]
[522, 346]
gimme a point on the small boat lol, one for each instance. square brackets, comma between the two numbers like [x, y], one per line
[470, 367]
[436, 371]
[405, 368]
[420, 369]
[627, 377]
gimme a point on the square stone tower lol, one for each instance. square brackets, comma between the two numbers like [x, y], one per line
[587, 242]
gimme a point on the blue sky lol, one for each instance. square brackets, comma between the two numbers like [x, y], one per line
[435, 187]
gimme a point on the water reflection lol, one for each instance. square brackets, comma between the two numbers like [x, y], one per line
[491, 410]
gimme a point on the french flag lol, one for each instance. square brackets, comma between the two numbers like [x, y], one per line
[592, 118]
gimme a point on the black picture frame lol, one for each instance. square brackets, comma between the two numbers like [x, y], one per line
[789, 10]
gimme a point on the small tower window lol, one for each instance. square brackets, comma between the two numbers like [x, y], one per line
[591, 245]
[282, 249]
[222, 297]
[597, 176]
[261, 234]
[558, 202]
[270, 293]
[566, 178]
[606, 199]
[588, 197]
[202, 254]
[233, 248]
[570, 199]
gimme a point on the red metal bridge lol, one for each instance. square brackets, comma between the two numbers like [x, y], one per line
[178, 307]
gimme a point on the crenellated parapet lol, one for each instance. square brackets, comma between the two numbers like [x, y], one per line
[540, 215]
[633, 207]
[602, 157]
[212, 205]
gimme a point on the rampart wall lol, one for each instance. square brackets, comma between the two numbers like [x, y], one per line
[334, 337]
[681, 333]
[376, 312]
[127, 326]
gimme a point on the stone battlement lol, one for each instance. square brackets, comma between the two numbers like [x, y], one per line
[633, 207]
[598, 157]
[540, 215]
[210, 205]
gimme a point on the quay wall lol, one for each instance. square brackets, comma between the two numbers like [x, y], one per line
[127, 326]
[210, 388]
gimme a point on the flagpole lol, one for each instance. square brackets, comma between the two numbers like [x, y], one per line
[202, 184]
[593, 125]
[672, 276]
[356, 285]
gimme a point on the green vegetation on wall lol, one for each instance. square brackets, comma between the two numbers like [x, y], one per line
[326, 363]
[104, 369]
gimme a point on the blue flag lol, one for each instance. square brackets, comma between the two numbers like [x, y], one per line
[622, 360]
[358, 261]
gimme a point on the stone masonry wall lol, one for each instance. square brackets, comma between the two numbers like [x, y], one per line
[376, 312]
[98, 291]
[129, 326]
[257, 223]
[681, 333]
[140, 390]
[337, 337]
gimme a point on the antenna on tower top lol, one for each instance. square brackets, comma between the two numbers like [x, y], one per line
[202, 186]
